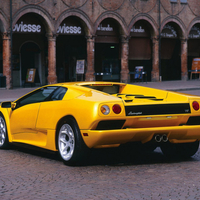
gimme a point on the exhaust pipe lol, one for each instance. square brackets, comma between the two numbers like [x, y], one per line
[158, 138]
[164, 138]
[161, 138]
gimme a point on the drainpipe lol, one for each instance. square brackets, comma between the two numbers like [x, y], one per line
[11, 43]
[159, 23]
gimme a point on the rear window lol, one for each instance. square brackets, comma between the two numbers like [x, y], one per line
[108, 88]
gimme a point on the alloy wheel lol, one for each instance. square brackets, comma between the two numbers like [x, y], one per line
[66, 142]
[2, 131]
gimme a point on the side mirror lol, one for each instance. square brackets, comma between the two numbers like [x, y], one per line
[8, 104]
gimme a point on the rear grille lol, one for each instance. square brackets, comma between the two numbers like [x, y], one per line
[161, 109]
[195, 120]
[110, 124]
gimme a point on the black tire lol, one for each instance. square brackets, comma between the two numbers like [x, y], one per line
[4, 143]
[182, 150]
[71, 147]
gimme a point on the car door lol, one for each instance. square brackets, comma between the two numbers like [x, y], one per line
[51, 111]
[24, 116]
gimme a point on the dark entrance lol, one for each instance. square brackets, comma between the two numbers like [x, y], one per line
[107, 61]
[193, 46]
[69, 49]
[1, 56]
[107, 54]
[170, 52]
[30, 58]
[170, 59]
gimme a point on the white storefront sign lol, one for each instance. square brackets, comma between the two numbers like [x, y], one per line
[27, 28]
[138, 30]
[169, 32]
[108, 28]
[194, 33]
[69, 29]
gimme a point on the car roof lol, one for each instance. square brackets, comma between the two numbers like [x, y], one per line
[98, 83]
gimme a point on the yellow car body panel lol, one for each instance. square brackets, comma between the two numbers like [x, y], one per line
[36, 123]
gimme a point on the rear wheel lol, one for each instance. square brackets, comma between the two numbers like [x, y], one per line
[3, 133]
[71, 146]
[183, 150]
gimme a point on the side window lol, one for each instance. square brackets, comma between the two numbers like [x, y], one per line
[58, 94]
[37, 96]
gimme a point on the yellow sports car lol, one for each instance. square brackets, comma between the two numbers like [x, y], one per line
[73, 117]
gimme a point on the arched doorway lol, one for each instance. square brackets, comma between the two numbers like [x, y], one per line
[30, 49]
[30, 58]
[107, 51]
[71, 46]
[193, 44]
[140, 47]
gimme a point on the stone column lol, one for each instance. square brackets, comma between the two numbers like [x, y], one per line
[155, 59]
[52, 78]
[124, 59]
[89, 75]
[7, 71]
[184, 55]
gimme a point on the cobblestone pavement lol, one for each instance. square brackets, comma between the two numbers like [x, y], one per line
[26, 174]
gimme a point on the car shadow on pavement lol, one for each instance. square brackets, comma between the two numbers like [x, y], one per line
[110, 156]
[118, 157]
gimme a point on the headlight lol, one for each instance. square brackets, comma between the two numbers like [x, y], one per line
[105, 110]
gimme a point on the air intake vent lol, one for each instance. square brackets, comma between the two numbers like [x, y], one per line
[194, 120]
[110, 124]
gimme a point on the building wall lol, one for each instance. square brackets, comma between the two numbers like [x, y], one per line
[182, 17]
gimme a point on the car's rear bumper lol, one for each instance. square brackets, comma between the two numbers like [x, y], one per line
[106, 138]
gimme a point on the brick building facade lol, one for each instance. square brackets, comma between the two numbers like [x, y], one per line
[111, 37]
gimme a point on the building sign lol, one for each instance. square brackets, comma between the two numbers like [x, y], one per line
[139, 31]
[27, 28]
[169, 32]
[194, 32]
[73, 30]
[28, 24]
[70, 27]
[107, 28]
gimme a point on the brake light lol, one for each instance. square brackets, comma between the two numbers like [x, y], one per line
[116, 109]
[195, 105]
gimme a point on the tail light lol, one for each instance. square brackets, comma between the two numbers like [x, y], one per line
[116, 109]
[195, 105]
[105, 110]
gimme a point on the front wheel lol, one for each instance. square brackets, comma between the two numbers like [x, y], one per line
[183, 150]
[71, 146]
[3, 133]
